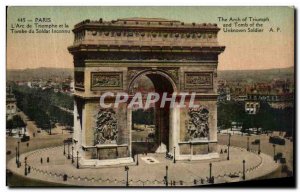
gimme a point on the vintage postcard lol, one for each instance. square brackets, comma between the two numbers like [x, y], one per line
[150, 96]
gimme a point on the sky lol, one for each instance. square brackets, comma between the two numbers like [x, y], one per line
[243, 50]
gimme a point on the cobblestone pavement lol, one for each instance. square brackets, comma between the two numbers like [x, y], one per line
[184, 173]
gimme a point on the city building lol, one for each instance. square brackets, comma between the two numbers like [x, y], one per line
[11, 104]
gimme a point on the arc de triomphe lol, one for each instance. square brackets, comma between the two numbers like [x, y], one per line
[175, 56]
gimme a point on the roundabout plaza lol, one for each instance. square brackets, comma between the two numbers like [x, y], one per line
[152, 169]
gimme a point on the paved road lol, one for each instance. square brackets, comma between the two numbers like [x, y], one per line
[266, 147]
[32, 127]
[41, 140]
[190, 170]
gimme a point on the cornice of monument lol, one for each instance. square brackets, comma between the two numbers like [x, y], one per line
[145, 24]
[145, 35]
[129, 48]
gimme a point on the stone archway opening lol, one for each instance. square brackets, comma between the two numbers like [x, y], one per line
[154, 136]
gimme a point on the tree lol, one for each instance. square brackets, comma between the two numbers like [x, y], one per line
[9, 125]
[44, 105]
[229, 112]
[142, 116]
[17, 122]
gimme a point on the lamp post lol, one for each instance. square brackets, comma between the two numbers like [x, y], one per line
[72, 154]
[50, 127]
[210, 166]
[137, 159]
[229, 136]
[25, 173]
[77, 160]
[274, 151]
[64, 147]
[68, 150]
[166, 177]
[259, 147]
[18, 150]
[248, 146]
[127, 169]
[227, 152]
[244, 177]
[18, 154]
[174, 155]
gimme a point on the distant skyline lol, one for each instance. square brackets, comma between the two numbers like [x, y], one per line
[244, 51]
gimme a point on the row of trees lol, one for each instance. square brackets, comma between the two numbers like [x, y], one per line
[269, 119]
[42, 106]
[60, 99]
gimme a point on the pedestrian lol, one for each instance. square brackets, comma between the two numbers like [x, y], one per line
[48, 160]
[27, 144]
[41, 160]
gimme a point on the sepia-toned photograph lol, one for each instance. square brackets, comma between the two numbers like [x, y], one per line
[108, 96]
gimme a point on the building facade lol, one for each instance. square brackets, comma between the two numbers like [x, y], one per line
[11, 104]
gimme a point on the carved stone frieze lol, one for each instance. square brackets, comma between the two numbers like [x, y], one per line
[106, 80]
[197, 126]
[106, 130]
[137, 54]
[198, 80]
[133, 72]
[172, 72]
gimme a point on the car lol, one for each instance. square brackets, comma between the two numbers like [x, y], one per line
[276, 140]
[25, 138]
[256, 142]
[279, 155]
[282, 160]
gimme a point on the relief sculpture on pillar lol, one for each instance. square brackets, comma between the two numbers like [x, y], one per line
[197, 125]
[106, 130]
[106, 80]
